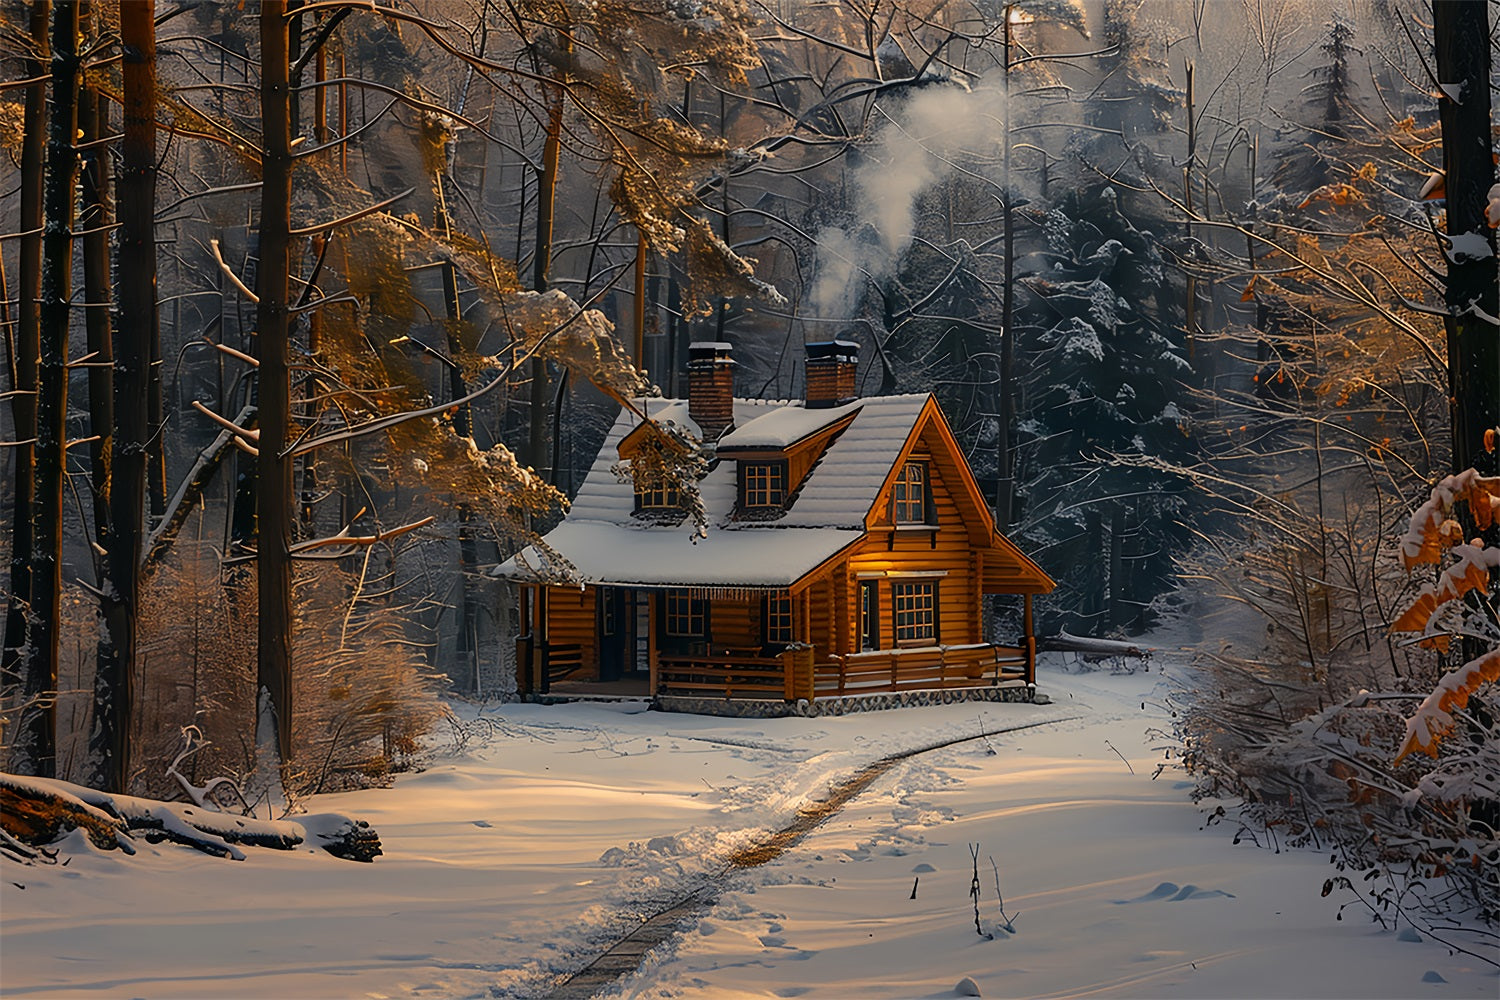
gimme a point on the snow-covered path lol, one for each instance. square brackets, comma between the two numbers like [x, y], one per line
[522, 859]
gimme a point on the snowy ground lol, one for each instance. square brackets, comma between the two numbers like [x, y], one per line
[522, 857]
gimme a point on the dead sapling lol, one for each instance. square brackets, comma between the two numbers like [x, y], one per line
[1007, 923]
[974, 893]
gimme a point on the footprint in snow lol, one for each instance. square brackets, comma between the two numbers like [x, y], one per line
[1171, 892]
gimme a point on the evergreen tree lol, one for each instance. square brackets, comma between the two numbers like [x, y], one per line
[1106, 397]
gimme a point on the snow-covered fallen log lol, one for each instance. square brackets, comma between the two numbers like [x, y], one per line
[1064, 642]
[37, 811]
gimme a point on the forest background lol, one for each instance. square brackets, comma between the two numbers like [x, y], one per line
[1207, 291]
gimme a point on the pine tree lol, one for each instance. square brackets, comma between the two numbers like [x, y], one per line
[1106, 378]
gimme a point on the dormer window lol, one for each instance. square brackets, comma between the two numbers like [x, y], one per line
[662, 496]
[762, 485]
[910, 495]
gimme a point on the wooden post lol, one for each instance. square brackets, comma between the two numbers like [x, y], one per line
[1030, 640]
[652, 656]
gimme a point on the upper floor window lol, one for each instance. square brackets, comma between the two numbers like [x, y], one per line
[762, 484]
[909, 497]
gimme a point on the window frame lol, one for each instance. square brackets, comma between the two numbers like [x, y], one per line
[869, 616]
[673, 615]
[901, 501]
[917, 623]
[775, 474]
[777, 625]
[658, 498]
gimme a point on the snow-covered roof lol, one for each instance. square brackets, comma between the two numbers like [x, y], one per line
[632, 555]
[784, 426]
[608, 545]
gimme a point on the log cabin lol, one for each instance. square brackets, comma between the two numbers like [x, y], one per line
[847, 553]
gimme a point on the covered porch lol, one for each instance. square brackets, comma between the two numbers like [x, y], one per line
[763, 644]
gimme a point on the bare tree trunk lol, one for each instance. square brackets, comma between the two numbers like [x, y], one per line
[1005, 492]
[463, 426]
[1461, 38]
[93, 122]
[546, 197]
[37, 737]
[272, 325]
[93, 125]
[136, 335]
[28, 327]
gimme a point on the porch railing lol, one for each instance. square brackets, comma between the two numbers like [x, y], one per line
[794, 675]
[739, 674]
[926, 668]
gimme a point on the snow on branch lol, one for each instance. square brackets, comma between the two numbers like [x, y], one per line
[1433, 719]
[1432, 529]
[1470, 572]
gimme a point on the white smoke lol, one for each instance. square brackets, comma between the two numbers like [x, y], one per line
[921, 141]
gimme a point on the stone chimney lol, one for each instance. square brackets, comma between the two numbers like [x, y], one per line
[830, 373]
[710, 387]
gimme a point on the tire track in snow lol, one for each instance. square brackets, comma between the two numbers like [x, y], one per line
[625, 956]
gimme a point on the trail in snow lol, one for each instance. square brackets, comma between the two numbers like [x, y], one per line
[624, 956]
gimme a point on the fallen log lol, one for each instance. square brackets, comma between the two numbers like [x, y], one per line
[38, 811]
[1064, 642]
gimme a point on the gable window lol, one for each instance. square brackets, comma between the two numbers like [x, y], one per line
[778, 618]
[684, 615]
[762, 484]
[909, 495]
[915, 608]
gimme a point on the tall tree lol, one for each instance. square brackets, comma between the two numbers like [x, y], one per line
[36, 740]
[272, 343]
[93, 129]
[135, 338]
[1461, 38]
[27, 344]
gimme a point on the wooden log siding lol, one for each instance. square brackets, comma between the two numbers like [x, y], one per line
[943, 550]
[572, 641]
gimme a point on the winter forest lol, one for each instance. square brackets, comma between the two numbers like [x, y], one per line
[316, 312]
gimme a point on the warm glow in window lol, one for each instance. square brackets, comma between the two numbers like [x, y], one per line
[684, 614]
[916, 611]
[910, 494]
[764, 484]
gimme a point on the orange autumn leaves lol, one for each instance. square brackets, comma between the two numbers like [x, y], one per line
[1432, 532]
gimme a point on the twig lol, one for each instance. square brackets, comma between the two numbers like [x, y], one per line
[1009, 925]
[1119, 755]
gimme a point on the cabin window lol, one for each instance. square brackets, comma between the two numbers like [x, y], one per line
[762, 484]
[909, 495]
[778, 618]
[663, 496]
[684, 614]
[915, 607]
[869, 615]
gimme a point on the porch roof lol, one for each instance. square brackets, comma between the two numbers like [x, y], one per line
[625, 555]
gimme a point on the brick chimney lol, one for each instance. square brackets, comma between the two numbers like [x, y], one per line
[830, 373]
[710, 387]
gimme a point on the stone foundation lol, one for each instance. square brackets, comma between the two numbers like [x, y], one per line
[749, 708]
